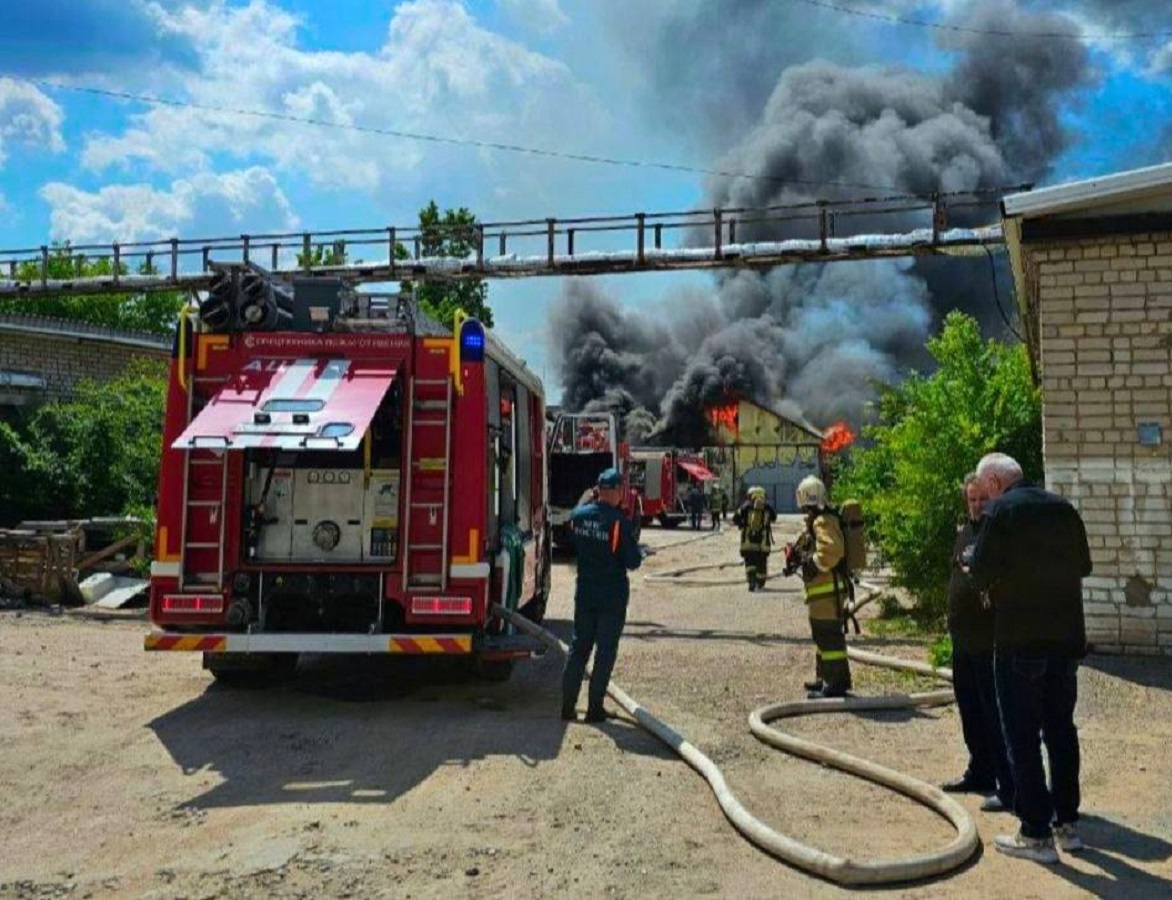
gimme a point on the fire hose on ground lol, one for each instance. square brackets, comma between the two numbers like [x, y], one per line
[839, 869]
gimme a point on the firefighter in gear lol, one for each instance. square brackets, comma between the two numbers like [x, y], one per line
[606, 546]
[819, 555]
[755, 519]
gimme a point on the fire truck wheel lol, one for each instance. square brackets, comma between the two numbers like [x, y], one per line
[256, 673]
[494, 669]
[669, 521]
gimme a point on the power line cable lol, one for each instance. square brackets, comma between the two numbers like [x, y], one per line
[997, 295]
[968, 29]
[441, 139]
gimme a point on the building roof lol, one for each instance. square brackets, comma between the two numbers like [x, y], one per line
[1134, 191]
[797, 423]
[87, 331]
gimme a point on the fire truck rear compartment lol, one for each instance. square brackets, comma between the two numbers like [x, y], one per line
[324, 602]
[571, 476]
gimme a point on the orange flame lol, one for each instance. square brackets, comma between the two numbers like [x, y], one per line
[725, 416]
[836, 437]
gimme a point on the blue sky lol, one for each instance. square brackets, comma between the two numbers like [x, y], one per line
[572, 75]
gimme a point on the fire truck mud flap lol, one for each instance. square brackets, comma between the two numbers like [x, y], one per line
[511, 646]
[408, 644]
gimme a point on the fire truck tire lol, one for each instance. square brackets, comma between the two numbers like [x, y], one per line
[667, 521]
[259, 673]
[496, 670]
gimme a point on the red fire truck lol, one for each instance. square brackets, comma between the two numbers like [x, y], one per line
[338, 478]
[581, 447]
[663, 477]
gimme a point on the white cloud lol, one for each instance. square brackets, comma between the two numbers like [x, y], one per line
[542, 16]
[1161, 61]
[205, 203]
[27, 116]
[438, 72]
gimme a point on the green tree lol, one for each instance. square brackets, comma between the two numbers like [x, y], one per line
[453, 233]
[929, 432]
[94, 454]
[321, 255]
[155, 311]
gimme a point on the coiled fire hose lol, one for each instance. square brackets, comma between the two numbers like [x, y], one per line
[843, 870]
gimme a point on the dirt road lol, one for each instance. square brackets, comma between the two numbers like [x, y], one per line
[124, 774]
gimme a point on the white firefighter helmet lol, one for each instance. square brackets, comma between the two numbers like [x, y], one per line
[756, 491]
[811, 492]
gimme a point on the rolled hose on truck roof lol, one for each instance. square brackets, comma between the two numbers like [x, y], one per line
[839, 869]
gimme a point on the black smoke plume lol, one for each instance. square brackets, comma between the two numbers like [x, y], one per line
[812, 341]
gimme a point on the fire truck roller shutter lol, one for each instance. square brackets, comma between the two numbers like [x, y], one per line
[292, 404]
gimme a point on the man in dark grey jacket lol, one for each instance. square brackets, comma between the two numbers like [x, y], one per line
[1031, 557]
[970, 625]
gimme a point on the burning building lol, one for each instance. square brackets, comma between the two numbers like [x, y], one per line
[757, 446]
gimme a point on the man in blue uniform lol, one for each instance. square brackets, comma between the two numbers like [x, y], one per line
[604, 541]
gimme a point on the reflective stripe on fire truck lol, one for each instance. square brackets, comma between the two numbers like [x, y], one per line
[205, 643]
[164, 569]
[475, 570]
[429, 644]
[311, 643]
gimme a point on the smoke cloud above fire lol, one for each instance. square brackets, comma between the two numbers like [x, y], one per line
[811, 341]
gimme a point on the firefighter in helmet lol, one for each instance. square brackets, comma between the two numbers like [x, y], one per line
[819, 556]
[755, 518]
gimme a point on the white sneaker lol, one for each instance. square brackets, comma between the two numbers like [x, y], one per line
[992, 803]
[1066, 836]
[1038, 849]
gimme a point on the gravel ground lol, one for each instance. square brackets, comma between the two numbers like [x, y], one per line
[131, 775]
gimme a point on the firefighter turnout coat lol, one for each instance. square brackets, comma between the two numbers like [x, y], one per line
[825, 585]
[826, 590]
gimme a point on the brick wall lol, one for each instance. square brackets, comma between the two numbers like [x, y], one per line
[1105, 317]
[62, 359]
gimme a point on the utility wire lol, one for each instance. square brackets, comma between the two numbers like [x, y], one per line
[997, 296]
[968, 29]
[440, 139]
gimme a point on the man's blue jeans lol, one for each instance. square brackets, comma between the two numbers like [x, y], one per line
[1036, 695]
[597, 626]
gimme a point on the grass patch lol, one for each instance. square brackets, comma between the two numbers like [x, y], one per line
[896, 621]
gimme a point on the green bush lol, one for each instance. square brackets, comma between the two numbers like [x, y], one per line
[95, 454]
[931, 430]
[940, 652]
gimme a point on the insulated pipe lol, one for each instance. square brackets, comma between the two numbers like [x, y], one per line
[842, 870]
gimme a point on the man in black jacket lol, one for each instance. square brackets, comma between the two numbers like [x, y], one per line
[970, 624]
[1031, 557]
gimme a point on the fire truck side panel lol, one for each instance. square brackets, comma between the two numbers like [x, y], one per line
[172, 493]
[468, 572]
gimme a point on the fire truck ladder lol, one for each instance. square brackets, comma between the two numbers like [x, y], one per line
[205, 498]
[428, 491]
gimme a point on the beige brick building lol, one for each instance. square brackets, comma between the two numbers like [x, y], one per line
[1093, 270]
[43, 358]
